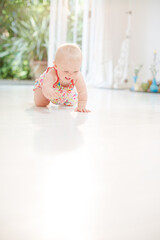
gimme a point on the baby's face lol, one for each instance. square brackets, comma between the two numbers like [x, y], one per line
[68, 69]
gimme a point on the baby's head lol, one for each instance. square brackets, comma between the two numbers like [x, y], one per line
[69, 52]
[68, 61]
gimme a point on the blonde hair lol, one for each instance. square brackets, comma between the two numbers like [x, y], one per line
[70, 51]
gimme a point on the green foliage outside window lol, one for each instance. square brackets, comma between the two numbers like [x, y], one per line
[24, 34]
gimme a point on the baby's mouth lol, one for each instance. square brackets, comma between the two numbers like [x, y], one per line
[67, 78]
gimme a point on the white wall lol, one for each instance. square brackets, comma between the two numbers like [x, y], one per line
[145, 35]
[118, 22]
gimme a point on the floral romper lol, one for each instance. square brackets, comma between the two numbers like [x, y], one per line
[68, 94]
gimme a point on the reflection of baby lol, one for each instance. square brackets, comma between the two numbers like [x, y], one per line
[57, 83]
[50, 124]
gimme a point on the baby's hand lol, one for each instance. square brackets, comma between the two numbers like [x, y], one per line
[82, 109]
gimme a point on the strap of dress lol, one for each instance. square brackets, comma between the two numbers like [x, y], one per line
[72, 82]
[56, 74]
[48, 69]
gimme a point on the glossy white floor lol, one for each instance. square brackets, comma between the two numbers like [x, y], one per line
[75, 176]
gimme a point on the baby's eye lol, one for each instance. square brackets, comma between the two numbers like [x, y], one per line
[76, 71]
[66, 71]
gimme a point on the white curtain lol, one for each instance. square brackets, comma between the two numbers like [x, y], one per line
[115, 42]
[104, 26]
[58, 27]
[104, 33]
[105, 46]
[99, 60]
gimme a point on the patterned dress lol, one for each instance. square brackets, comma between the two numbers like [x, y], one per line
[68, 95]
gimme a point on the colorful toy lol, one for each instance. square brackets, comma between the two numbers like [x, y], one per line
[136, 72]
[153, 68]
[145, 86]
[151, 85]
[154, 87]
[136, 86]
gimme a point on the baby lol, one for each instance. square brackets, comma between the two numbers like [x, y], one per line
[57, 83]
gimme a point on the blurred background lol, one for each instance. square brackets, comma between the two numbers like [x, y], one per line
[22, 38]
[72, 176]
[24, 30]
[116, 38]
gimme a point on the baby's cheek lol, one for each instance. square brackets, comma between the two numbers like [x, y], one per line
[64, 75]
[77, 75]
[61, 76]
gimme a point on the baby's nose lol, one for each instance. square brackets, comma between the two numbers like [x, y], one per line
[70, 73]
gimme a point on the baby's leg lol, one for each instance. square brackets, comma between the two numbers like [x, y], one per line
[40, 99]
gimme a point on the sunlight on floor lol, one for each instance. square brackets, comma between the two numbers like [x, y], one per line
[67, 175]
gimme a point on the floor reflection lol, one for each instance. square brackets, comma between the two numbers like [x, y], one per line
[57, 129]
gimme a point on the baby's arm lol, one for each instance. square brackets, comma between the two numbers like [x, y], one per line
[82, 94]
[47, 88]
